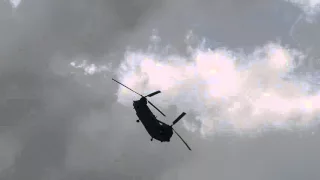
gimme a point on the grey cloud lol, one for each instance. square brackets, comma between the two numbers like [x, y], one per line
[224, 23]
[45, 110]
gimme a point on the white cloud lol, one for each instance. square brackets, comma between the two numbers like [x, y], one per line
[15, 3]
[90, 69]
[224, 94]
[310, 7]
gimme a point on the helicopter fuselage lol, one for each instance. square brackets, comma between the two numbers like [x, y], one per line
[156, 129]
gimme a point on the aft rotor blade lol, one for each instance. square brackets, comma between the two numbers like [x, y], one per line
[152, 94]
[126, 87]
[178, 118]
[156, 108]
[181, 139]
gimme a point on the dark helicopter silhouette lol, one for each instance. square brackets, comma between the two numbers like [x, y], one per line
[157, 130]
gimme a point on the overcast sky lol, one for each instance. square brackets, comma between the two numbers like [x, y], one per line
[245, 72]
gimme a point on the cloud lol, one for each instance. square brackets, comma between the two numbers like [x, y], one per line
[310, 7]
[76, 131]
[90, 68]
[228, 91]
[15, 3]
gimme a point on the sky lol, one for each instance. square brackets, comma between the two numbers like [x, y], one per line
[246, 74]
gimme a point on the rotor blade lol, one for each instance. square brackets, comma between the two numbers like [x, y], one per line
[156, 108]
[181, 139]
[126, 87]
[178, 118]
[152, 94]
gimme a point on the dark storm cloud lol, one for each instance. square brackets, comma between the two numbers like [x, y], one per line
[86, 26]
[272, 156]
[235, 24]
[57, 127]
[44, 110]
[40, 108]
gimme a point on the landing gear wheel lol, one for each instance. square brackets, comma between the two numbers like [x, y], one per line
[138, 120]
[151, 139]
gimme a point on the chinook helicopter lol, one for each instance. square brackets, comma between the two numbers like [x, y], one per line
[157, 130]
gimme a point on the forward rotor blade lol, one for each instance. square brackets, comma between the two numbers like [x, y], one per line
[152, 94]
[156, 108]
[178, 118]
[181, 139]
[127, 87]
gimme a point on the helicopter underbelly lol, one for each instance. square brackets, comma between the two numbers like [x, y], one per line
[155, 129]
